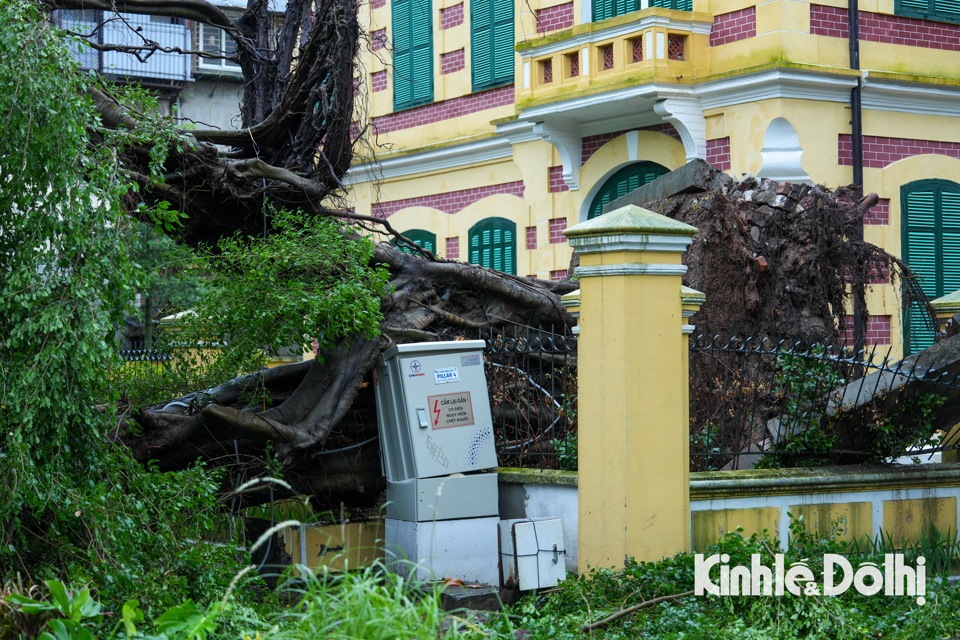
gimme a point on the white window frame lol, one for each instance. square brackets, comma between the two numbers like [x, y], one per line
[214, 64]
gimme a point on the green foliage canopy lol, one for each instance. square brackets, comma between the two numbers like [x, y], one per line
[309, 280]
[73, 504]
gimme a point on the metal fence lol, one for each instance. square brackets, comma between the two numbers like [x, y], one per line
[145, 357]
[532, 380]
[774, 402]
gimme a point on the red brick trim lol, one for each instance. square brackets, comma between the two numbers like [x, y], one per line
[591, 144]
[376, 4]
[437, 111]
[557, 184]
[734, 26]
[531, 238]
[555, 18]
[378, 39]
[450, 202]
[879, 152]
[451, 16]
[879, 214]
[557, 225]
[379, 80]
[718, 153]
[559, 274]
[878, 27]
[453, 248]
[877, 330]
[451, 62]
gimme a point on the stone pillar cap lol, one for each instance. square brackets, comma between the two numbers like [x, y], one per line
[692, 296]
[571, 299]
[948, 303]
[630, 220]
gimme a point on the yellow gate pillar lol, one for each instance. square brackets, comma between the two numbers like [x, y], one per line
[633, 442]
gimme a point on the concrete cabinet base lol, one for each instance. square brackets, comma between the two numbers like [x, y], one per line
[463, 549]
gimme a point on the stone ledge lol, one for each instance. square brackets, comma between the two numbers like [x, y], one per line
[713, 485]
[536, 476]
[709, 485]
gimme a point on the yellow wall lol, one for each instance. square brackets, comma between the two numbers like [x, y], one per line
[783, 42]
[337, 547]
[709, 527]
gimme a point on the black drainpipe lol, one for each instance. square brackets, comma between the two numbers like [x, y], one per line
[853, 18]
[853, 13]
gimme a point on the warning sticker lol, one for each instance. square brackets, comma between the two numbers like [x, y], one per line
[451, 410]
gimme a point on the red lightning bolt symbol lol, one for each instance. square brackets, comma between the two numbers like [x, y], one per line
[436, 412]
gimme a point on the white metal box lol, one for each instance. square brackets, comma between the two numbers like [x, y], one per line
[433, 413]
[532, 553]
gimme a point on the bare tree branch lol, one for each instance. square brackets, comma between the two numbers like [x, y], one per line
[197, 10]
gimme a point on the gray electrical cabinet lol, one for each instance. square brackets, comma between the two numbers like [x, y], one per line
[436, 431]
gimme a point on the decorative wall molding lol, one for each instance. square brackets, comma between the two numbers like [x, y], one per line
[630, 242]
[909, 97]
[456, 155]
[686, 115]
[775, 83]
[638, 269]
[618, 31]
[781, 153]
[568, 143]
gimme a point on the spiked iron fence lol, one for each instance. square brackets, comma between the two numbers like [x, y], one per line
[145, 357]
[777, 402]
[532, 380]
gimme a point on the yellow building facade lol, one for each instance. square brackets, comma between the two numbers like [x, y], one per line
[496, 124]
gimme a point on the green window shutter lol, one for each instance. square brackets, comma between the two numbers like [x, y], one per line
[624, 181]
[679, 5]
[603, 9]
[931, 248]
[491, 42]
[412, 53]
[481, 42]
[947, 7]
[423, 238]
[919, 223]
[402, 54]
[503, 41]
[493, 244]
[950, 251]
[940, 10]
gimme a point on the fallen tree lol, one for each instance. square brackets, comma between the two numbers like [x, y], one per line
[301, 130]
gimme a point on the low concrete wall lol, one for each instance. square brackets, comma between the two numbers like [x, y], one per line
[526, 493]
[899, 501]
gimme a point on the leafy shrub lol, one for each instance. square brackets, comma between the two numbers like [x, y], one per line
[576, 602]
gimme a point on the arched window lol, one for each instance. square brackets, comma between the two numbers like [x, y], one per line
[423, 238]
[493, 244]
[930, 228]
[632, 176]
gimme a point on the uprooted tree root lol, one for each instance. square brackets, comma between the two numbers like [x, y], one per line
[794, 270]
[776, 262]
